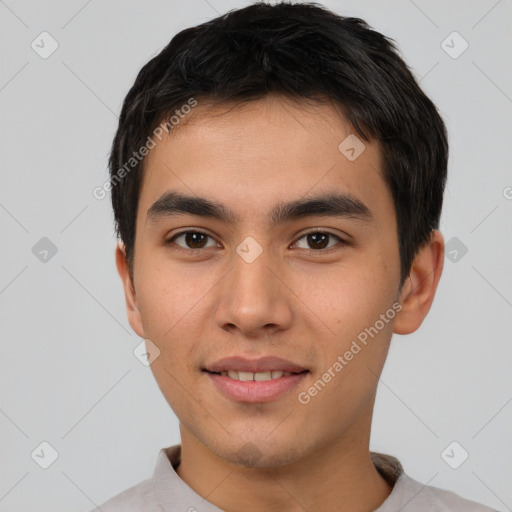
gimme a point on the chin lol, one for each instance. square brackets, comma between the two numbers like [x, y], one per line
[258, 454]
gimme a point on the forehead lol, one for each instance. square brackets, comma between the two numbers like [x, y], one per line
[258, 153]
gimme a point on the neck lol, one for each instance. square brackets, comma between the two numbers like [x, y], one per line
[340, 476]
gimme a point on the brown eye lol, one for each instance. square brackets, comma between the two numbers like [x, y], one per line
[193, 240]
[319, 240]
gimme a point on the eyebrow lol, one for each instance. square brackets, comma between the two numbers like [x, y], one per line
[173, 203]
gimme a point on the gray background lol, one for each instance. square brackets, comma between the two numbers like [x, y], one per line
[68, 373]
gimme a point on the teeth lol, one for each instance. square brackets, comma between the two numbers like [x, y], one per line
[258, 376]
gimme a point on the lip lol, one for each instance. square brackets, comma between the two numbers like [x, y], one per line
[262, 364]
[255, 391]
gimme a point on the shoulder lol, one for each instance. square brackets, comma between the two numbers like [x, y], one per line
[136, 498]
[147, 495]
[417, 496]
[409, 495]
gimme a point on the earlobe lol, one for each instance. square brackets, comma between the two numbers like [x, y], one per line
[419, 288]
[132, 308]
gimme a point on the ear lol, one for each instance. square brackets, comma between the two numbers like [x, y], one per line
[129, 290]
[420, 286]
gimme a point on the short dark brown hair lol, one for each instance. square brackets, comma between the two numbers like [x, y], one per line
[300, 50]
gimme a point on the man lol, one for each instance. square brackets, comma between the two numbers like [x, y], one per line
[277, 180]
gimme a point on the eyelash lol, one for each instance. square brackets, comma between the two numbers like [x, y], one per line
[308, 251]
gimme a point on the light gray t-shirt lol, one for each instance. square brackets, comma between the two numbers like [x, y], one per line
[165, 491]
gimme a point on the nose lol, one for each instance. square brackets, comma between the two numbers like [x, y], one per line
[254, 299]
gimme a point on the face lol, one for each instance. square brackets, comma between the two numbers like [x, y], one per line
[248, 278]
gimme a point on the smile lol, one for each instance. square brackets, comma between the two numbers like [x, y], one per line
[265, 379]
[258, 376]
[255, 387]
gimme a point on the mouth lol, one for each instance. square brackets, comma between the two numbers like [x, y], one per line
[255, 376]
[254, 381]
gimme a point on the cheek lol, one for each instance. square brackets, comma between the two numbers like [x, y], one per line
[169, 315]
[167, 296]
[353, 358]
[360, 313]
[353, 298]
[170, 321]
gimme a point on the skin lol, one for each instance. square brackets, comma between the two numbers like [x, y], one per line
[303, 306]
